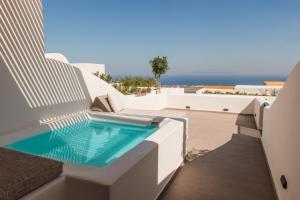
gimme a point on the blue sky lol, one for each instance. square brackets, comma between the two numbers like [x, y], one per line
[205, 37]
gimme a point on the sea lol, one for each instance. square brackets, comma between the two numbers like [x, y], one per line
[193, 80]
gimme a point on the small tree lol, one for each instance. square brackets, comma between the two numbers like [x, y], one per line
[159, 67]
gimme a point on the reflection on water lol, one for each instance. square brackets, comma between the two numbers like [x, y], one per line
[86, 143]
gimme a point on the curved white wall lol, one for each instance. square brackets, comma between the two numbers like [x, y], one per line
[57, 56]
[281, 137]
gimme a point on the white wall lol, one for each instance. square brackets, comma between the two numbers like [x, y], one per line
[235, 104]
[91, 67]
[281, 137]
[215, 103]
[259, 105]
[147, 102]
[165, 90]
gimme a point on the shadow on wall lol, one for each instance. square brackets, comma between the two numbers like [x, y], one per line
[33, 87]
[62, 121]
[245, 120]
[249, 109]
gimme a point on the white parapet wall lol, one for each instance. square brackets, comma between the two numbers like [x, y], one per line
[216, 103]
[147, 102]
[259, 105]
[203, 102]
[171, 90]
[281, 137]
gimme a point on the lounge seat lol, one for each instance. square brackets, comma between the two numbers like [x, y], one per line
[22, 173]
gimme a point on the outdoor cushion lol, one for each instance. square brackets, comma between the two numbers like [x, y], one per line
[101, 104]
[22, 173]
[115, 102]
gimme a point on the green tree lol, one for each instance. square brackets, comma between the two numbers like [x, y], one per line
[159, 66]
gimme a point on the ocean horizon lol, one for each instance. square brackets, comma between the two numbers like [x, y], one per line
[226, 80]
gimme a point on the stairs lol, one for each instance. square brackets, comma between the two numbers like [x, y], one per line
[247, 126]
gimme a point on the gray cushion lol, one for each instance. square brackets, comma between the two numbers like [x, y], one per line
[22, 173]
[101, 104]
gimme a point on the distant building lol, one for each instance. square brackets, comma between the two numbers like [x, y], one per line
[265, 90]
[274, 83]
[220, 87]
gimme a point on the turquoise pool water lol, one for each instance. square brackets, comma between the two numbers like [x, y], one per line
[91, 143]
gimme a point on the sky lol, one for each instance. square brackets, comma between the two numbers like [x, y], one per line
[199, 37]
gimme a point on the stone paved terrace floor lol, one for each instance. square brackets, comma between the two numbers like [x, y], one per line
[229, 162]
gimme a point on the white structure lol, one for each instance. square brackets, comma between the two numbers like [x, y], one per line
[281, 138]
[57, 56]
[221, 91]
[91, 67]
[169, 90]
[247, 89]
[258, 89]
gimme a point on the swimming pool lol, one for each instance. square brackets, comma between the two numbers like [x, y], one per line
[94, 143]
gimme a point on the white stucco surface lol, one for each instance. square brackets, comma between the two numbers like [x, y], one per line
[57, 56]
[281, 138]
[216, 103]
[167, 90]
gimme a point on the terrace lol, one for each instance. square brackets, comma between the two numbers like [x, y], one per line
[239, 147]
[227, 160]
